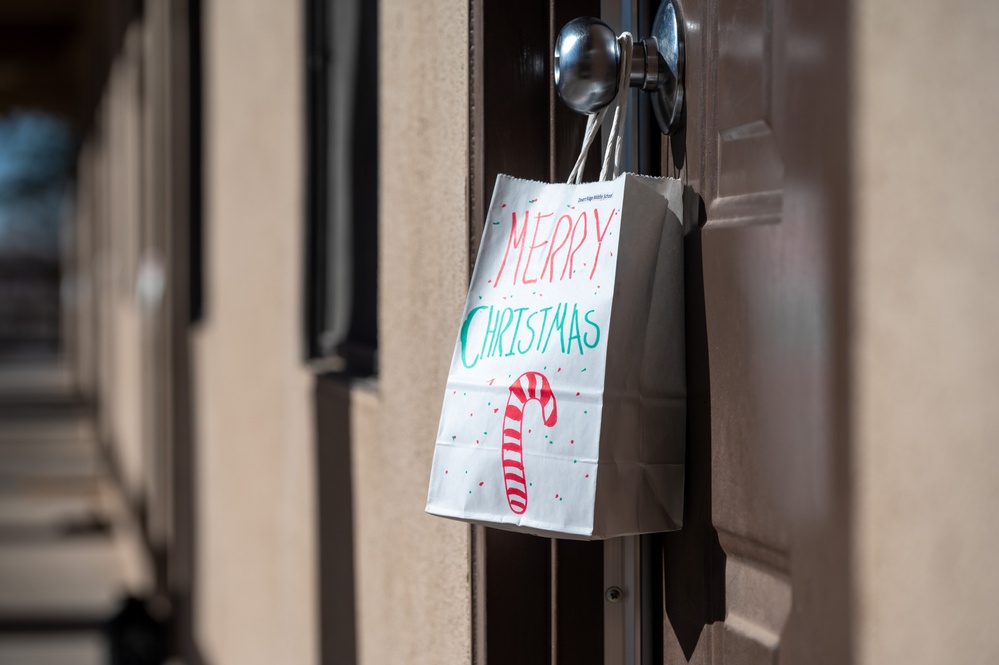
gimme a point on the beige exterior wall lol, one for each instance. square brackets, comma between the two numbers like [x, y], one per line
[926, 362]
[413, 573]
[107, 344]
[255, 540]
[257, 574]
[121, 143]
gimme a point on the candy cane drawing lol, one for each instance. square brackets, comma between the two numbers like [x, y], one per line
[528, 386]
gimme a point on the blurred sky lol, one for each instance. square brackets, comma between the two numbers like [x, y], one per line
[35, 157]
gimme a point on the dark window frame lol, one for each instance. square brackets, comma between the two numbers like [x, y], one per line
[341, 238]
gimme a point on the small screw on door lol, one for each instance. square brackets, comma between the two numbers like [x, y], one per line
[614, 594]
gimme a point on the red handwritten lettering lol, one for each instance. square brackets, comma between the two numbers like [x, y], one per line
[553, 251]
[573, 250]
[557, 241]
[600, 236]
[534, 245]
[515, 243]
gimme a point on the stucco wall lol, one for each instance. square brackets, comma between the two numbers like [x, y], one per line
[110, 329]
[256, 568]
[121, 136]
[926, 363]
[413, 570]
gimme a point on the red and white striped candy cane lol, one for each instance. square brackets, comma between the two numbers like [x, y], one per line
[528, 386]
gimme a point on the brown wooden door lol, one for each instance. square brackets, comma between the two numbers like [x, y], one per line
[759, 573]
[762, 560]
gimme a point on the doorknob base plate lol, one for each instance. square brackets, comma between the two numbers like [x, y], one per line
[668, 98]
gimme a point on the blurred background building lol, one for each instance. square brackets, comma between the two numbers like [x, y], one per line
[235, 237]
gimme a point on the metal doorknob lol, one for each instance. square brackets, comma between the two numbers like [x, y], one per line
[587, 58]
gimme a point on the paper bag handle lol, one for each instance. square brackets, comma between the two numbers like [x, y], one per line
[611, 167]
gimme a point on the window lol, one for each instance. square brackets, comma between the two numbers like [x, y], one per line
[341, 309]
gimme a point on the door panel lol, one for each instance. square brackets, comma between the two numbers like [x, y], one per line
[766, 119]
[736, 164]
[749, 164]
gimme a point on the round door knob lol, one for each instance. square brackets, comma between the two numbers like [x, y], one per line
[587, 58]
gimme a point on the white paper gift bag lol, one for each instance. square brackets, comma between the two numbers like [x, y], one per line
[565, 407]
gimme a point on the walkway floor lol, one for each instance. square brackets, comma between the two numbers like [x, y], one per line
[69, 552]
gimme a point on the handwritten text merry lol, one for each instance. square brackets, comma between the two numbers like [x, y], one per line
[557, 244]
